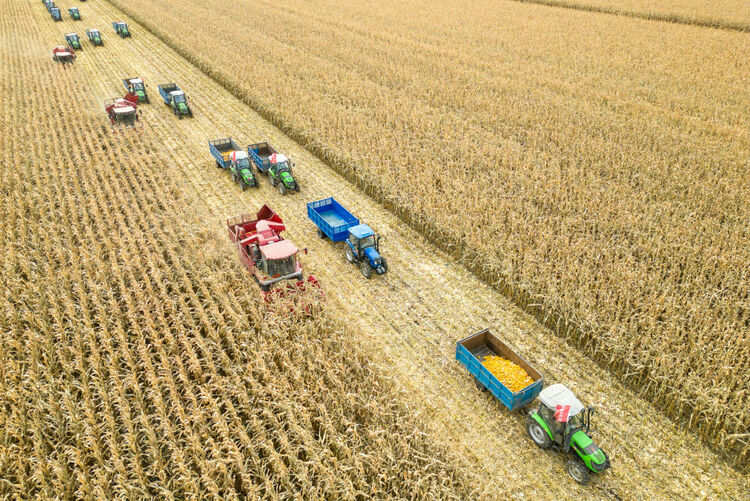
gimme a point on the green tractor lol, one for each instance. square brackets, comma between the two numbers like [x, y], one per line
[562, 422]
[240, 169]
[280, 174]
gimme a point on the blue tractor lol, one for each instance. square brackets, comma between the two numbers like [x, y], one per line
[337, 223]
[363, 247]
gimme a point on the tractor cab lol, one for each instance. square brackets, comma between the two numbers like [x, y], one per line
[55, 13]
[242, 173]
[178, 97]
[281, 173]
[94, 36]
[73, 11]
[121, 27]
[363, 246]
[562, 421]
[73, 40]
[137, 87]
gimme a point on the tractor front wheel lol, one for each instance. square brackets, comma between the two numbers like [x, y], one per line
[366, 269]
[349, 254]
[578, 471]
[538, 435]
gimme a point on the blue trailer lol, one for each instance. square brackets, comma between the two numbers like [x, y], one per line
[229, 155]
[337, 223]
[471, 351]
[331, 218]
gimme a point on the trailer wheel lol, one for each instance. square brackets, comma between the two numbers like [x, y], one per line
[321, 234]
[218, 165]
[479, 384]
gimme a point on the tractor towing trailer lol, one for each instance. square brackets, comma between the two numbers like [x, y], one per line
[337, 223]
[229, 155]
[559, 421]
[278, 167]
[175, 98]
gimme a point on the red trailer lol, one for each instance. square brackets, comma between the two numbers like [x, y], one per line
[122, 110]
[264, 252]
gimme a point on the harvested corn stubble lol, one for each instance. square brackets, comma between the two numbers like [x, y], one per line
[511, 375]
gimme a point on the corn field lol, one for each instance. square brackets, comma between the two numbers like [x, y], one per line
[140, 360]
[136, 362]
[598, 181]
[723, 14]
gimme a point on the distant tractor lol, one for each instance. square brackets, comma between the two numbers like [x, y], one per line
[562, 422]
[137, 87]
[73, 41]
[229, 155]
[278, 167]
[337, 223]
[121, 28]
[175, 98]
[264, 252]
[62, 54]
[122, 110]
[95, 37]
[73, 11]
[55, 13]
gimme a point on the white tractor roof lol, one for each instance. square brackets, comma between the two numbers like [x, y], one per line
[177, 92]
[559, 394]
[136, 80]
[71, 35]
[238, 155]
[278, 158]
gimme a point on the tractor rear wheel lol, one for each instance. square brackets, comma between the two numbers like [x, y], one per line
[282, 189]
[537, 434]
[366, 269]
[349, 254]
[578, 471]
[273, 181]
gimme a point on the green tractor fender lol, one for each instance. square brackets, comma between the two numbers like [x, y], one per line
[536, 417]
[591, 455]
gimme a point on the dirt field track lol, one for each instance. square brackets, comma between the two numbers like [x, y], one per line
[407, 321]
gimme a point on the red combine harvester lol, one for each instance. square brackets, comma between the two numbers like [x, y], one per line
[263, 250]
[62, 54]
[122, 110]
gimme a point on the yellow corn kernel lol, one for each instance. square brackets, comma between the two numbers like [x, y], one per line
[511, 375]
